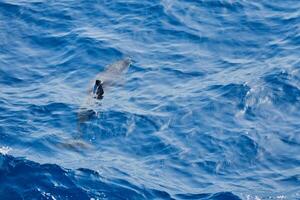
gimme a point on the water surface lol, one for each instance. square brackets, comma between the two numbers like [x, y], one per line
[208, 110]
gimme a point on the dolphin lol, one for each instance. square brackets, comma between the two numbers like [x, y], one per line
[111, 76]
[99, 85]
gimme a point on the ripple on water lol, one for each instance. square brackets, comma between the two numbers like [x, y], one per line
[209, 108]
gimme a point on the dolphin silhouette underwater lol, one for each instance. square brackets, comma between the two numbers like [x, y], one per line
[99, 86]
[109, 77]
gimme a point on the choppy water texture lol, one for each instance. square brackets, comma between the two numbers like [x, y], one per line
[208, 110]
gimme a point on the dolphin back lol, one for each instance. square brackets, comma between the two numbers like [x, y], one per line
[119, 66]
[113, 73]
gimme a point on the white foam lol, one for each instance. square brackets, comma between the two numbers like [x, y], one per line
[4, 150]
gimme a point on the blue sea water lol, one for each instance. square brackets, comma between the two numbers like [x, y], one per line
[209, 109]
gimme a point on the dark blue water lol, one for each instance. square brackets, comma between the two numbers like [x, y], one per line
[209, 109]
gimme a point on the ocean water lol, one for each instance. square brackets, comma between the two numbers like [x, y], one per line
[209, 108]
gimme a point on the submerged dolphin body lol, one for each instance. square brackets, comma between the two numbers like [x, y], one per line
[114, 73]
[100, 84]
